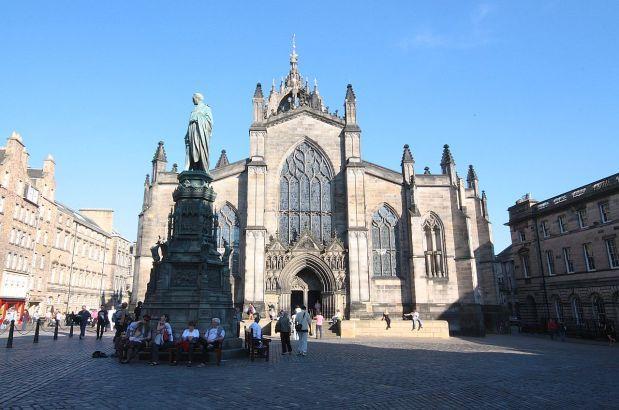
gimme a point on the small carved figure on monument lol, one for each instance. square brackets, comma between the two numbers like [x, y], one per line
[155, 253]
[198, 136]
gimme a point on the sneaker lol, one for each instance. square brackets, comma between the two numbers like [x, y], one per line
[202, 365]
[188, 364]
[154, 363]
[303, 354]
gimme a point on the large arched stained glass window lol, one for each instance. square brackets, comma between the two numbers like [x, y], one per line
[229, 231]
[384, 250]
[305, 194]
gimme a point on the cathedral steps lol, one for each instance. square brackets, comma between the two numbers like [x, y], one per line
[435, 329]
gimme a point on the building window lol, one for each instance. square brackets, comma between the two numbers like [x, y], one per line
[305, 195]
[611, 250]
[545, 231]
[550, 263]
[526, 269]
[384, 242]
[229, 231]
[522, 236]
[597, 305]
[581, 215]
[604, 212]
[562, 224]
[567, 259]
[1, 205]
[588, 254]
[576, 310]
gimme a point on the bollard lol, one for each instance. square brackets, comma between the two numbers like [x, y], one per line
[36, 332]
[9, 341]
[71, 330]
[56, 330]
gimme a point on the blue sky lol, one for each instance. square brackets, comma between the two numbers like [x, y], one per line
[528, 92]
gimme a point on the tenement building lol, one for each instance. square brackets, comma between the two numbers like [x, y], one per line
[310, 220]
[52, 257]
[565, 255]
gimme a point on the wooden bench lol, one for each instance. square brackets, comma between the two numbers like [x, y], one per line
[256, 348]
[174, 352]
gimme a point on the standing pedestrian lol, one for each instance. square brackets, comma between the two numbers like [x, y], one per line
[387, 319]
[553, 328]
[83, 315]
[283, 327]
[25, 319]
[102, 321]
[302, 327]
[319, 321]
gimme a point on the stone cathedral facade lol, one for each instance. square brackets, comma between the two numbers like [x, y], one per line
[310, 220]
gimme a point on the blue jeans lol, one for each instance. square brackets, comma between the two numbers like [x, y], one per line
[302, 343]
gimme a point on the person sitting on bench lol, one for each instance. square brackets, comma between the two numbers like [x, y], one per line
[256, 332]
[163, 339]
[138, 334]
[189, 340]
[213, 339]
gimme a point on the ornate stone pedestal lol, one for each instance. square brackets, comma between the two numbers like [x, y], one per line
[191, 281]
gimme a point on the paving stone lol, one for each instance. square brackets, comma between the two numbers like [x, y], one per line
[487, 373]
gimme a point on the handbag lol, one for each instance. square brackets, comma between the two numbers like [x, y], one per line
[277, 327]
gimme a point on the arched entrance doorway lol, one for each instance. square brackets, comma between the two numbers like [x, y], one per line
[307, 279]
[306, 289]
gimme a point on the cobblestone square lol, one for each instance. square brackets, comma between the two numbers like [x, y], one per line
[491, 372]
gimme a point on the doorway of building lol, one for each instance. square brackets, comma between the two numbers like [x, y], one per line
[296, 299]
[313, 296]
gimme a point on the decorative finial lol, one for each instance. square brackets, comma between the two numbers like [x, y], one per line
[407, 156]
[294, 55]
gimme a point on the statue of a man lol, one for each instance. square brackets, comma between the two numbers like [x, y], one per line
[198, 135]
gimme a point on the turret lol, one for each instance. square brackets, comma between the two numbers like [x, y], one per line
[408, 166]
[146, 198]
[160, 160]
[258, 104]
[223, 160]
[472, 181]
[448, 165]
[484, 205]
[350, 106]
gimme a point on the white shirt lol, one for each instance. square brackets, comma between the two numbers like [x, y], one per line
[211, 334]
[257, 330]
[195, 333]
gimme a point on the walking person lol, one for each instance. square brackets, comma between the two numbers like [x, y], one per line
[83, 315]
[387, 319]
[609, 331]
[102, 321]
[302, 327]
[319, 321]
[283, 327]
[416, 319]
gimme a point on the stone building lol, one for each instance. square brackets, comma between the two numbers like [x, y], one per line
[310, 220]
[48, 252]
[565, 255]
[506, 283]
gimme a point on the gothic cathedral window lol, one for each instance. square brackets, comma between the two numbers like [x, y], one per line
[305, 195]
[434, 239]
[384, 250]
[229, 232]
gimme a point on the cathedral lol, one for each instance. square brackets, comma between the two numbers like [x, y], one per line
[309, 220]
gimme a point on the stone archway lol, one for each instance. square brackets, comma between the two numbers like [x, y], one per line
[310, 275]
